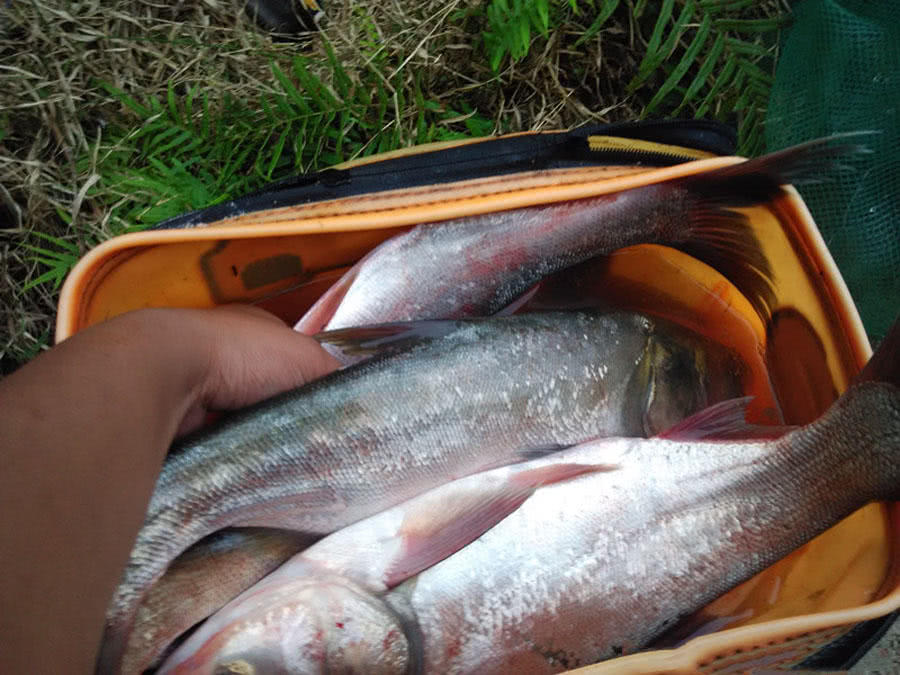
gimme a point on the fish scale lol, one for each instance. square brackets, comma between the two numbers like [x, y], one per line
[476, 266]
[677, 525]
[481, 264]
[340, 449]
[585, 569]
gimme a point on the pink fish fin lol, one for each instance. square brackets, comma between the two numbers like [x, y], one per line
[318, 316]
[724, 420]
[723, 238]
[884, 366]
[378, 338]
[717, 421]
[519, 302]
[438, 530]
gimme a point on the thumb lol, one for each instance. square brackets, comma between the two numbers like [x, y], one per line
[252, 355]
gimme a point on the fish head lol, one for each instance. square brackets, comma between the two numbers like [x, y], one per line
[305, 626]
[680, 373]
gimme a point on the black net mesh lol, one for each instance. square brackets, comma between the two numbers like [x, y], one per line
[839, 71]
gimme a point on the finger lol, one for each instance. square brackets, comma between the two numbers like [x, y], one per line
[256, 356]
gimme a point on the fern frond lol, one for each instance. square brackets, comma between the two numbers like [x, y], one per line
[727, 61]
[510, 24]
[687, 61]
[59, 260]
[655, 54]
[184, 153]
[703, 73]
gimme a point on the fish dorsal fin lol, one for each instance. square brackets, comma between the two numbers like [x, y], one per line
[722, 420]
[378, 338]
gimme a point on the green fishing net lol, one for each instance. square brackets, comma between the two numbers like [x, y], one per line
[839, 70]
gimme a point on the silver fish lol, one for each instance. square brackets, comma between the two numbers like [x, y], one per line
[607, 565]
[479, 265]
[604, 564]
[262, 628]
[365, 438]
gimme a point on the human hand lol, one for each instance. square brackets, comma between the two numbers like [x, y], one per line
[84, 430]
[252, 357]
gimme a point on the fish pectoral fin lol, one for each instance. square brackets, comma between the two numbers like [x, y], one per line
[377, 338]
[722, 420]
[443, 527]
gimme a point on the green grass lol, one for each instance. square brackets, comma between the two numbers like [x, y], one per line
[702, 58]
[184, 155]
[131, 117]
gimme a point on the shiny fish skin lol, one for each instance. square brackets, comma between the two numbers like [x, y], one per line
[365, 438]
[603, 565]
[583, 571]
[201, 580]
[292, 611]
[478, 265]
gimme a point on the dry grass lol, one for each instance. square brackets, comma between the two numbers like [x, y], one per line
[54, 54]
[56, 119]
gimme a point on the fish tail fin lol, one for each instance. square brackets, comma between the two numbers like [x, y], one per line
[723, 238]
[760, 179]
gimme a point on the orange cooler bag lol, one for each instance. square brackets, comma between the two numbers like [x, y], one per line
[283, 247]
